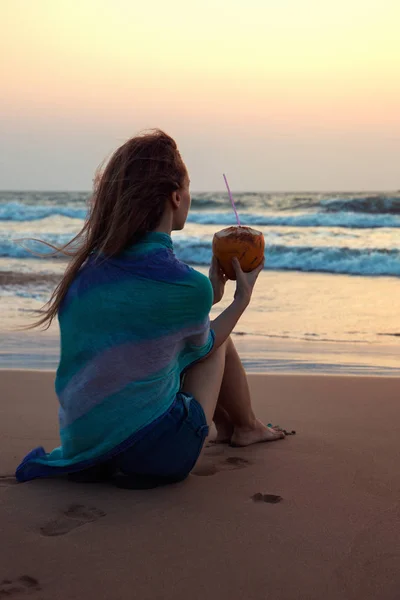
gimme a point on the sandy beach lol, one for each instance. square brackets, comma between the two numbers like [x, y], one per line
[334, 534]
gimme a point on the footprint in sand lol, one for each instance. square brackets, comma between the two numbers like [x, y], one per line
[6, 480]
[229, 464]
[214, 450]
[270, 498]
[75, 516]
[22, 586]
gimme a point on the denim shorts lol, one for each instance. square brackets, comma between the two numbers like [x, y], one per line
[164, 451]
[169, 449]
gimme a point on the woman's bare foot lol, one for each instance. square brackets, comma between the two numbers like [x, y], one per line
[224, 433]
[259, 433]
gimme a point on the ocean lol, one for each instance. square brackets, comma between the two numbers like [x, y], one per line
[325, 302]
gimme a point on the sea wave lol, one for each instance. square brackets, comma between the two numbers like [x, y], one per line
[29, 248]
[46, 198]
[19, 211]
[283, 202]
[252, 200]
[323, 259]
[352, 261]
[366, 204]
[356, 212]
[376, 202]
[344, 220]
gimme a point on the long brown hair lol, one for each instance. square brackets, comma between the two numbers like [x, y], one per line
[128, 201]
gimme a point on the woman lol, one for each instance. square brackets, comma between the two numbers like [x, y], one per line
[142, 375]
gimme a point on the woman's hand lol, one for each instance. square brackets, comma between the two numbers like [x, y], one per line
[245, 282]
[218, 280]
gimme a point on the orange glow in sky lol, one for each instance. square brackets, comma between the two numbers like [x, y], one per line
[262, 89]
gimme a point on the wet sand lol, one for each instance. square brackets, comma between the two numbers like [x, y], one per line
[314, 516]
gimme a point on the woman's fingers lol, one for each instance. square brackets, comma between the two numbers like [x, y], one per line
[236, 266]
[221, 271]
[216, 269]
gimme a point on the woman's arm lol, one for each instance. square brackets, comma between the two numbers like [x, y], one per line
[218, 280]
[224, 324]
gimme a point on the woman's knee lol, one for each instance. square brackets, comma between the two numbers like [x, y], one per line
[203, 380]
[229, 345]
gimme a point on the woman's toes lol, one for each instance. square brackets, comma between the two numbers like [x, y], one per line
[260, 433]
[276, 434]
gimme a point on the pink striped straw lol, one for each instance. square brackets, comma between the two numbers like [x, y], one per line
[232, 202]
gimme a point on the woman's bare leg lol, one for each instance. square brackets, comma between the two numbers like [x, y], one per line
[204, 379]
[223, 424]
[221, 379]
[234, 417]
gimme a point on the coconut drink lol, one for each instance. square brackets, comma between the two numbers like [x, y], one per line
[244, 243]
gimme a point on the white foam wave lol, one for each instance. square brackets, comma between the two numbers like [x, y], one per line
[18, 211]
[325, 259]
[27, 248]
[346, 220]
[197, 251]
[364, 204]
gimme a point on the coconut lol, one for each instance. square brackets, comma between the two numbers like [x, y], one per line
[245, 243]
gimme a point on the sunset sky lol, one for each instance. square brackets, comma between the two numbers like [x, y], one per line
[288, 95]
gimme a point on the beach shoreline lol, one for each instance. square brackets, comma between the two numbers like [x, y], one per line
[296, 322]
[259, 354]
